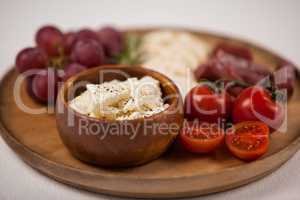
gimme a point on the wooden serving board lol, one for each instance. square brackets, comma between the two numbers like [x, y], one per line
[176, 174]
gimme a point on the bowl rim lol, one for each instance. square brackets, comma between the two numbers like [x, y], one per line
[69, 82]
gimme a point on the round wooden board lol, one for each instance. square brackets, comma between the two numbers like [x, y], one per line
[176, 174]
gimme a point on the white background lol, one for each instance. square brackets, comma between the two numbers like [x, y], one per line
[272, 23]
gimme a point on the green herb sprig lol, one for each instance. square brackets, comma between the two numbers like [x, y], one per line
[131, 53]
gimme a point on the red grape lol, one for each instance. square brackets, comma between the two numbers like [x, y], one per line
[72, 69]
[87, 34]
[88, 52]
[69, 40]
[112, 40]
[44, 85]
[50, 39]
[31, 58]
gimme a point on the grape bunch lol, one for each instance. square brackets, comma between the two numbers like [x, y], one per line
[57, 56]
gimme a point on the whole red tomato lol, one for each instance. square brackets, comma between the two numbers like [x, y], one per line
[255, 104]
[206, 103]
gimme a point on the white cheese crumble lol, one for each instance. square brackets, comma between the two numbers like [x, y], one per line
[174, 53]
[121, 100]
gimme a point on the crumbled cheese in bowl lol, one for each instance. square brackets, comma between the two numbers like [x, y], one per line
[121, 100]
[174, 53]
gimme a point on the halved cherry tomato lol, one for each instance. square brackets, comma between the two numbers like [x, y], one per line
[248, 140]
[255, 104]
[205, 103]
[201, 137]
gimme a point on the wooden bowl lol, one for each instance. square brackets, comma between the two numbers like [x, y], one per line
[113, 143]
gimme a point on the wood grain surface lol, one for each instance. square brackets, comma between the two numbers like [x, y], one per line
[175, 174]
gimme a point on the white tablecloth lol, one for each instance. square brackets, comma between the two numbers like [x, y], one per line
[271, 23]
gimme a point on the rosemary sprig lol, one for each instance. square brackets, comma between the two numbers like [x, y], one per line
[130, 53]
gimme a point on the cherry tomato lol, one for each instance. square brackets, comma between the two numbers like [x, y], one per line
[201, 138]
[248, 140]
[255, 104]
[207, 104]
